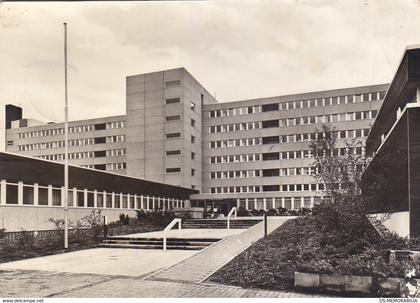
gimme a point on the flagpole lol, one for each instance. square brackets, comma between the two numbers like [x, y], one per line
[66, 147]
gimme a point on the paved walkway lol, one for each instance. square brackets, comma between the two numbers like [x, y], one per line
[200, 266]
[182, 280]
[104, 261]
[42, 284]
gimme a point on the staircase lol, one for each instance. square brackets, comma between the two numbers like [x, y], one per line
[218, 223]
[142, 242]
[156, 243]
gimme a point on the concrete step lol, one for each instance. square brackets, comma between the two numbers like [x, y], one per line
[144, 246]
[159, 242]
[160, 239]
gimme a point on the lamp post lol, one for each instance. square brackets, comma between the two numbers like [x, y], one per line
[66, 147]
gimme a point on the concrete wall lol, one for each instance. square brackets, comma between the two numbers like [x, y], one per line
[16, 218]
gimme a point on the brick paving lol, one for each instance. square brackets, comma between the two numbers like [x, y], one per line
[130, 288]
[200, 266]
[42, 284]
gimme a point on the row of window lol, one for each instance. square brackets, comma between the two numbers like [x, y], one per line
[293, 138]
[297, 154]
[116, 166]
[85, 155]
[266, 188]
[371, 114]
[298, 104]
[72, 129]
[286, 202]
[274, 172]
[72, 143]
[53, 196]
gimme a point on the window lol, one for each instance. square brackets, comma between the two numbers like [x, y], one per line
[173, 152]
[192, 172]
[100, 140]
[192, 155]
[173, 170]
[172, 83]
[173, 118]
[192, 106]
[100, 126]
[99, 166]
[100, 153]
[365, 97]
[172, 100]
[269, 107]
[270, 123]
[271, 140]
[271, 188]
[192, 139]
[173, 135]
[270, 172]
[192, 122]
[270, 156]
[9, 143]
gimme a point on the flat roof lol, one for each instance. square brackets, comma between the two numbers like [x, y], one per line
[401, 91]
[30, 170]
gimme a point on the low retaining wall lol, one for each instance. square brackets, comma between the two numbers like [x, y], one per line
[16, 218]
[349, 284]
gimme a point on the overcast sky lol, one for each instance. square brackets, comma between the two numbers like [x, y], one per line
[238, 50]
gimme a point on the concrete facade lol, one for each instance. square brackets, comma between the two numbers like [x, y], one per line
[164, 127]
[94, 143]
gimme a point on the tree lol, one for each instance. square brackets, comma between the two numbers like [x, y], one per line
[338, 166]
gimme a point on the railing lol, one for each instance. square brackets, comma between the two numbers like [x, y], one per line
[169, 227]
[233, 210]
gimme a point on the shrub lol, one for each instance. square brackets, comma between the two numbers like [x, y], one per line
[58, 223]
[254, 212]
[282, 211]
[272, 212]
[242, 212]
[93, 222]
[124, 219]
[185, 215]
[141, 214]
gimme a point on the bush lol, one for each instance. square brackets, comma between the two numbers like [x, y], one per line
[242, 212]
[124, 219]
[254, 212]
[272, 212]
[141, 214]
[184, 215]
[282, 211]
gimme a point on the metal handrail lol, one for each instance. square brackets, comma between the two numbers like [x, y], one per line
[233, 210]
[169, 227]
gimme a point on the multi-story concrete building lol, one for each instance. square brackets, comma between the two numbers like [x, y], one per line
[253, 153]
